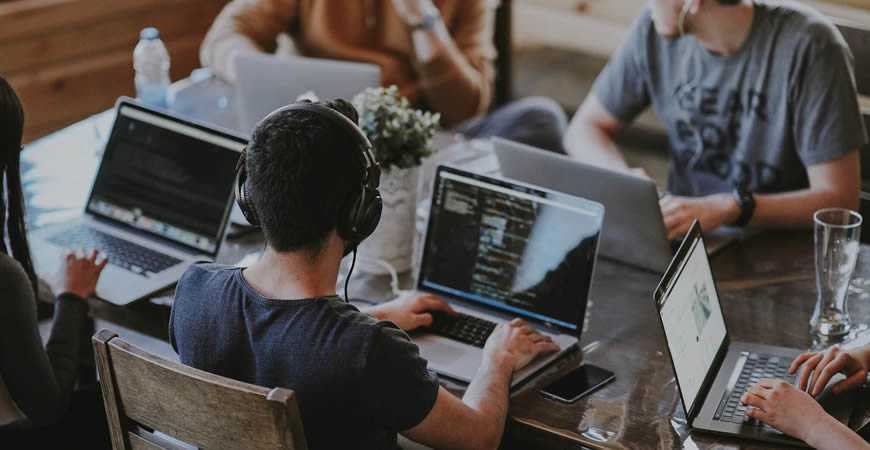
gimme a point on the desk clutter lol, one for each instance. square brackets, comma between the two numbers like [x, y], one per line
[388, 243]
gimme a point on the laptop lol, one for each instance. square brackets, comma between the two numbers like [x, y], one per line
[265, 82]
[712, 371]
[159, 201]
[496, 250]
[634, 231]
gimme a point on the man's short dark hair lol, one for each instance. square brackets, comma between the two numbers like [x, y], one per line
[302, 169]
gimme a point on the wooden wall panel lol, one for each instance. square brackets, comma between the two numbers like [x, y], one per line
[71, 58]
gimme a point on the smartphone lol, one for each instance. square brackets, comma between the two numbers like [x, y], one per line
[579, 382]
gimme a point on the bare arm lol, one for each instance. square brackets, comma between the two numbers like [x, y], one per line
[590, 136]
[478, 420]
[834, 183]
[455, 65]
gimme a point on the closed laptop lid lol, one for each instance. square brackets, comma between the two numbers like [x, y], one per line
[166, 177]
[634, 231]
[511, 248]
[265, 83]
[687, 301]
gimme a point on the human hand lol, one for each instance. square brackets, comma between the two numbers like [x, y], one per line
[784, 407]
[639, 172]
[80, 272]
[517, 344]
[713, 211]
[818, 368]
[411, 312]
[413, 11]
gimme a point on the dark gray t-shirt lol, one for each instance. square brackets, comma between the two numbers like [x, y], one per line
[785, 100]
[359, 381]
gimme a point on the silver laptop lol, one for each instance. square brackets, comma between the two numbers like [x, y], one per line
[159, 202]
[265, 83]
[712, 371]
[634, 231]
[497, 250]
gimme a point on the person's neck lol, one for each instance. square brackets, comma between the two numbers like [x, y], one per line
[723, 29]
[295, 275]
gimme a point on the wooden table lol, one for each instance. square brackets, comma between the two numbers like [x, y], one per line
[766, 287]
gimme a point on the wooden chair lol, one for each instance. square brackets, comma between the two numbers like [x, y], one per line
[148, 398]
[504, 46]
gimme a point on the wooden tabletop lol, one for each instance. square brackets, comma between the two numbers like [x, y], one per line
[766, 286]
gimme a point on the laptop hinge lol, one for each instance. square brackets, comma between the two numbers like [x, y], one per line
[701, 398]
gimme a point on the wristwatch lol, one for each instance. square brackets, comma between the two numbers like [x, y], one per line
[427, 22]
[746, 202]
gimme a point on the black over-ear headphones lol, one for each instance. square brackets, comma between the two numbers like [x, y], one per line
[361, 212]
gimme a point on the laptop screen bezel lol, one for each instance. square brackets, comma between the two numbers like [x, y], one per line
[513, 185]
[672, 274]
[125, 102]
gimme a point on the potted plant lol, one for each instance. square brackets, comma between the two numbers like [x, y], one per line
[401, 137]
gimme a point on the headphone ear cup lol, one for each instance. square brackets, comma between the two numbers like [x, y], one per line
[361, 218]
[242, 198]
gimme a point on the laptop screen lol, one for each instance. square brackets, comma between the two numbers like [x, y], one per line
[520, 250]
[692, 319]
[167, 178]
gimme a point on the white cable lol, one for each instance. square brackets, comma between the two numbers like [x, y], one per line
[394, 275]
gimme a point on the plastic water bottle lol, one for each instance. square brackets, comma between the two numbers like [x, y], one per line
[151, 62]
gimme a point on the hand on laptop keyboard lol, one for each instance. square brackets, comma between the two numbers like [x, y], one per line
[412, 311]
[817, 369]
[80, 273]
[516, 343]
[784, 407]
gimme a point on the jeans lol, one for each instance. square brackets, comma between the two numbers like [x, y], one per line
[536, 121]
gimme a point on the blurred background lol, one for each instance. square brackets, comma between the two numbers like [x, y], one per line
[69, 59]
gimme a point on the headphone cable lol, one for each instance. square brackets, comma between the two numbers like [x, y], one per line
[349, 273]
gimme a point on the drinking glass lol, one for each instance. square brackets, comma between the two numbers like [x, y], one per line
[837, 235]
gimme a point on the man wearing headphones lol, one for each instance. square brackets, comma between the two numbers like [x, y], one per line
[309, 180]
[760, 106]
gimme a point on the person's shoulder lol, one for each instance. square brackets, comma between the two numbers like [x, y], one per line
[804, 24]
[204, 275]
[14, 283]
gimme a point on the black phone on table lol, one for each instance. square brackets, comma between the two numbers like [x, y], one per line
[577, 383]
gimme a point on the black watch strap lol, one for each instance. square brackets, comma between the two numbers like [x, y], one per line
[746, 203]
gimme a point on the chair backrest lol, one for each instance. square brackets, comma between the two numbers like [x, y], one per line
[503, 37]
[148, 398]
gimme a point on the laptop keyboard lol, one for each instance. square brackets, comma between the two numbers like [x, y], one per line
[756, 367]
[127, 255]
[463, 328]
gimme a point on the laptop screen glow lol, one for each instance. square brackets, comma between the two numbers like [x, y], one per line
[693, 322]
[166, 178]
[523, 251]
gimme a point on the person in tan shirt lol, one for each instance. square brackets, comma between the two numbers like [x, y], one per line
[439, 53]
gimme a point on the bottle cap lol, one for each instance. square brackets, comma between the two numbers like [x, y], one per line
[149, 34]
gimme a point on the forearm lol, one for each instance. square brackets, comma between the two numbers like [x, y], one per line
[243, 26]
[795, 209]
[453, 86]
[830, 434]
[592, 145]
[489, 395]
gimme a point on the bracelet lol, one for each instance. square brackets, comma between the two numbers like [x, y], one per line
[427, 22]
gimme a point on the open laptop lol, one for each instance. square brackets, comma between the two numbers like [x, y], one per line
[497, 250]
[265, 82]
[634, 231]
[159, 202]
[713, 372]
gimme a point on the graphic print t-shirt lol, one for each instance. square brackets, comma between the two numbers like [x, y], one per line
[786, 99]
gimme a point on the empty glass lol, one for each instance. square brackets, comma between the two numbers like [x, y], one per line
[837, 236]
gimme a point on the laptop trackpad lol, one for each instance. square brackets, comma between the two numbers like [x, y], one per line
[438, 351]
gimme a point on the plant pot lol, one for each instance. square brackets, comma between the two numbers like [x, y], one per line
[393, 239]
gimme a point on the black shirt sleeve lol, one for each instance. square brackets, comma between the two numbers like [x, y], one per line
[398, 387]
[40, 380]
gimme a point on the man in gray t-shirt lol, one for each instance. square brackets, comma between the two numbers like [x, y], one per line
[760, 106]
